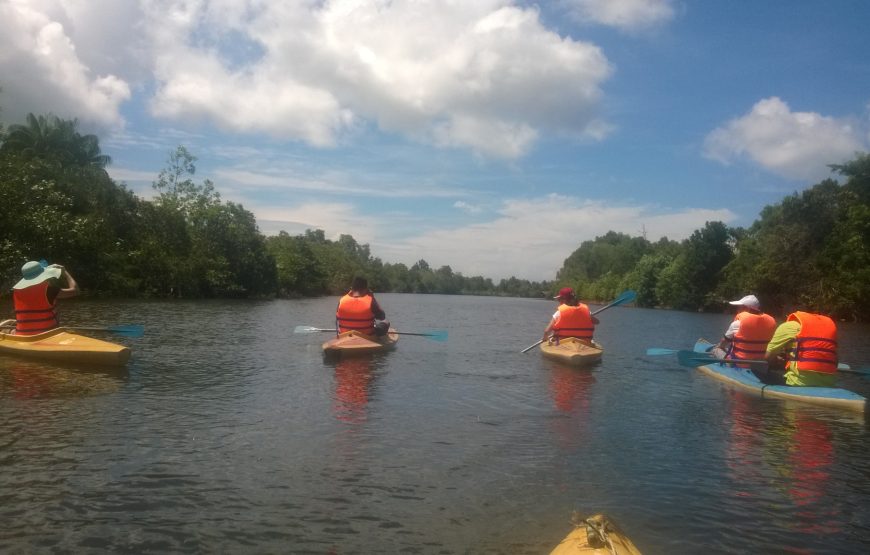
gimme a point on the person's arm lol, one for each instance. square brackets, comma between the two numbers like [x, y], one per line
[376, 309]
[72, 288]
[549, 327]
[728, 336]
[782, 338]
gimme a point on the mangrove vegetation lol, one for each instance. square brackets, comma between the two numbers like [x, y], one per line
[811, 250]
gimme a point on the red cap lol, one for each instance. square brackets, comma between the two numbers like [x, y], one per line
[565, 293]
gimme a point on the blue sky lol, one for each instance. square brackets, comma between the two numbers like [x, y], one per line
[488, 135]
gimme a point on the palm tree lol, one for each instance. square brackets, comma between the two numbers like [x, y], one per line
[55, 138]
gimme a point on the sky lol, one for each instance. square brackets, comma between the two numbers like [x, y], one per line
[492, 136]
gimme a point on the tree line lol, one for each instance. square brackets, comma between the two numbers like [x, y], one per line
[59, 203]
[809, 251]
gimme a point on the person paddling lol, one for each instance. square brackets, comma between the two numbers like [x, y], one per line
[807, 344]
[35, 296]
[571, 319]
[749, 332]
[359, 310]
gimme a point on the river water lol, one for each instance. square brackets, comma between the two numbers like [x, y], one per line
[229, 433]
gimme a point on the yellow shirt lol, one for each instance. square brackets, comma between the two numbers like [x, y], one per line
[781, 342]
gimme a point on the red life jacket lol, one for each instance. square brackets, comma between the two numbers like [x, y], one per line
[751, 339]
[574, 321]
[34, 313]
[815, 348]
[355, 313]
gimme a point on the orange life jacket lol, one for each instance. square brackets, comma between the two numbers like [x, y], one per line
[751, 339]
[34, 313]
[574, 321]
[815, 348]
[355, 313]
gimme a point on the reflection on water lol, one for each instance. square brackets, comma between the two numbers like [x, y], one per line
[229, 433]
[353, 380]
[24, 379]
[807, 467]
[570, 390]
[793, 450]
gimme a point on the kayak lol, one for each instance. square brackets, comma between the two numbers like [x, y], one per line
[356, 343]
[60, 345]
[745, 379]
[599, 535]
[573, 351]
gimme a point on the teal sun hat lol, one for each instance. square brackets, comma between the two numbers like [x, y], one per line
[34, 272]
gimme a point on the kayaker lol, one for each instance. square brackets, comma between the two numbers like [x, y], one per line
[359, 310]
[36, 295]
[749, 332]
[571, 319]
[807, 344]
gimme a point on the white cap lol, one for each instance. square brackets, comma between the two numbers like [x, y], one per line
[749, 301]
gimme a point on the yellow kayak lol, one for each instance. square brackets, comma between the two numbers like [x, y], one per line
[573, 351]
[597, 535]
[356, 343]
[60, 345]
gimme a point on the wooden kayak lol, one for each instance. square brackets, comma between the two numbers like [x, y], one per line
[356, 343]
[596, 535]
[745, 379]
[573, 351]
[60, 345]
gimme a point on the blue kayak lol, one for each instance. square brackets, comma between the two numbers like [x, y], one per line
[745, 379]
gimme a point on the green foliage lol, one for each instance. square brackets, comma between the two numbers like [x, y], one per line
[811, 251]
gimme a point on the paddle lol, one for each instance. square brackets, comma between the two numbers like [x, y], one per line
[128, 330]
[434, 335]
[625, 297]
[656, 351]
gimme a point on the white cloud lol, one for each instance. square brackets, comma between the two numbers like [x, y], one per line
[334, 218]
[466, 207]
[42, 69]
[484, 75]
[628, 15]
[528, 239]
[797, 145]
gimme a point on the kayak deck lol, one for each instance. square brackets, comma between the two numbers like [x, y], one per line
[356, 343]
[745, 379]
[60, 345]
[573, 351]
[596, 535]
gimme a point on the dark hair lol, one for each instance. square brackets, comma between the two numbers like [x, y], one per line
[359, 284]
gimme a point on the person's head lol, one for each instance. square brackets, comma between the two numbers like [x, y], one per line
[749, 302]
[359, 284]
[566, 295]
[33, 273]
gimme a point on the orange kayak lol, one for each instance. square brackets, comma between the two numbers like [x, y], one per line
[356, 343]
[573, 351]
[596, 535]
[60, 345]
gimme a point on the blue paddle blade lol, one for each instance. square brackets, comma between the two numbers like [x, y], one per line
[436, 335]
[131, 330]
[656, 351]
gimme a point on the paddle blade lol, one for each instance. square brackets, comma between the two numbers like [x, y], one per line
[131, 330]
[694, 360]
[624, 297]
[656, 351]
[435, 335]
